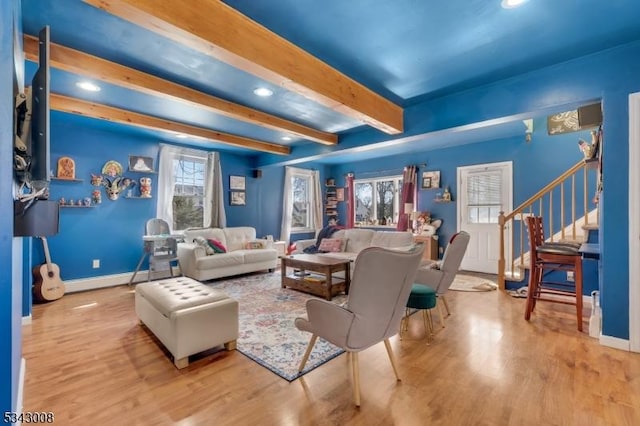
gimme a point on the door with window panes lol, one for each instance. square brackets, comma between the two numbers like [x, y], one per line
[484, 191]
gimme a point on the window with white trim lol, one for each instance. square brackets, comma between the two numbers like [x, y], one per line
[377, 201]
[302, 196]
[188, 196]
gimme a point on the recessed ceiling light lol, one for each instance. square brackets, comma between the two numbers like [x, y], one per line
[510, 4]
[87, 85]
[181, 136]
[263, 92]
[286, 138]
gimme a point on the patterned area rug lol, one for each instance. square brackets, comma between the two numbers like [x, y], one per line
[464, 282]
[267, 333]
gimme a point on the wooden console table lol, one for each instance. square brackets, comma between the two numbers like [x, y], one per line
[430, 246]
[314, 274]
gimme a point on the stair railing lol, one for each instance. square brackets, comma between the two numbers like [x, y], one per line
[536, 205]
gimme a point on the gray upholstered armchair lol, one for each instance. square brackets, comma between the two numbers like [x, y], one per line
[378, 294]
[441, 277]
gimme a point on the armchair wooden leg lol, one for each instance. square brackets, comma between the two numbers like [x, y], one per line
[312, 342]
[392, 358]
[440, 314]
[356, 378]
[446, 305]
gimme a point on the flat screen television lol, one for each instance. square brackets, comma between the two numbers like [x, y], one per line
[38, 218]
[40, 133]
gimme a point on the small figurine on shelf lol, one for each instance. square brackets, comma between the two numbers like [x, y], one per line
[446, 195]
[96, 196]
[145, 187]
[96, 180]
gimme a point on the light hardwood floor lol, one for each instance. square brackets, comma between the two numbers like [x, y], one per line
[90, 362]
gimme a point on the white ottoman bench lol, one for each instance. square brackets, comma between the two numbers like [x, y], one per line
[187, 316]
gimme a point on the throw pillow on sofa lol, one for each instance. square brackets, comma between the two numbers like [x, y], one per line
[330, 245]
[202, 242]
[217, 246]
[255, 244]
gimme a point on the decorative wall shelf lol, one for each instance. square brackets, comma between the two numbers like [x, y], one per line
[65, 206]
[57, 179]
[138, 197]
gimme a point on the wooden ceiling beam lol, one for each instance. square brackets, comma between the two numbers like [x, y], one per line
[117, 115]
[217, 30]
[96, 68]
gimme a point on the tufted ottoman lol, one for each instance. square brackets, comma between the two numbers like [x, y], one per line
[187, 317]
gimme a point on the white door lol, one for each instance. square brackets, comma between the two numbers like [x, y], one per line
[483, 192]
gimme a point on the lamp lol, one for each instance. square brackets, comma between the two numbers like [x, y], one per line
[408, 209]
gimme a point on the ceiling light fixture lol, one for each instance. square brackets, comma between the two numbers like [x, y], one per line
[286, 138]
[263, 92]
[181, 136]
[87, 85]
[510, 4]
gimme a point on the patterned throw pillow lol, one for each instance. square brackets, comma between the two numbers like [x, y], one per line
[217, 246]
[255, 244]
[330, 245]
[202, 242]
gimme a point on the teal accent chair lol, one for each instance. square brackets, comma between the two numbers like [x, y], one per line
[433, 281]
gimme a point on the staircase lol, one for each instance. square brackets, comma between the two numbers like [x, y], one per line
[563, 205]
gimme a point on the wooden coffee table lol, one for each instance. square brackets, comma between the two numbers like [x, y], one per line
[315, 274]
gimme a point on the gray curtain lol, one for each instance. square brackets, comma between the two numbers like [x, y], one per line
[214, 215]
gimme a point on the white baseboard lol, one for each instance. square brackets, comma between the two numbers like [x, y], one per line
[19, 400]
[103, 281]
[26, 320]
[615, 342]
[84, 284]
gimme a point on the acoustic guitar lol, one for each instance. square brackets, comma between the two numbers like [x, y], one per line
[47, 285]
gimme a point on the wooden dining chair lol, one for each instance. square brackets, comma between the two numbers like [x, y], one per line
[545, 258]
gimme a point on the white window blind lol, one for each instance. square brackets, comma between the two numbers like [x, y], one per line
[484, 195]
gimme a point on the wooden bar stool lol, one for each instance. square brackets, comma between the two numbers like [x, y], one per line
[547, 257]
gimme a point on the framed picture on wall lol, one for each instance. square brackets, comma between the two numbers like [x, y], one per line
[238, 198]
[430, 180]
[237, 183]
[138, 163]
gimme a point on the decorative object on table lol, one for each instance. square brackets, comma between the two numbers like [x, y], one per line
[422, 219]
[145, 187]
[86, 201]
[96, 196]
[237, 198]
[430, 229]
[66, 168]
[431, 180]
[237, 183]
[138, 163]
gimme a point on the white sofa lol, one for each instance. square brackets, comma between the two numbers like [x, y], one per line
[197, 264]
[355, 240]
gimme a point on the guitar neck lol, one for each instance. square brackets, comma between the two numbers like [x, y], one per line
[47, 256]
